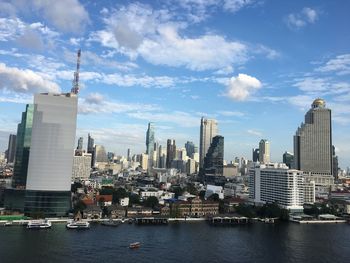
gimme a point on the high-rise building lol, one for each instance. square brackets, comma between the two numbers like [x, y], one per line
[214, 160]
[335, 163]
[11, 149]
[24, 135]
[150, 139]
[162, 157]
[276, 183]
[128, 155]
[81, 166]
[144, 161]
[313, 141]
[190, 148]
[170, 152]
[51, 154]
[91, 149]
[264, 151]
[208, 130]
[288, 159]
[100, 154]
[80, 143]
[255, 155]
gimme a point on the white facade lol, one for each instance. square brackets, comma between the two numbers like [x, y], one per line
[309, 192]
[52, 143]
[213, 189]
[144, 161]
[81, 166]
[209, 129]
[269, 183]
[124, 201]
[264, 151]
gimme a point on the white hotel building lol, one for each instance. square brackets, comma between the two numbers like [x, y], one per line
[275, 182]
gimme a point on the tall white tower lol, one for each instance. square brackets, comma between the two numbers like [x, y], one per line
[264, 151]
[209, 129]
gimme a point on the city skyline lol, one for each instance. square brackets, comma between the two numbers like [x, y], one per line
[248, 82]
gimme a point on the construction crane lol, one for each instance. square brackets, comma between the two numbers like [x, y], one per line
[75, 86]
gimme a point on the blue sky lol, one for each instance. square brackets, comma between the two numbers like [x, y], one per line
[255, 66]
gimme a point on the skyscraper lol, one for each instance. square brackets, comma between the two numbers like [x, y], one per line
[24, 135]
[214, 160]
[264, 151]
[170, 152]
[51, 154]
[11, 149]
[255, 154]
[190, 148]
[209, 129]
[91, 149]
[80, 144]
[100, 154]
[288, 159]
[128, 155]
[150, 139]
[313, 141]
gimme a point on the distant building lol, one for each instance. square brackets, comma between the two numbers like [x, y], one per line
[128, 155]
[100, 154]
[80, 143]
[191, 166]
[288, 159]
[194, 208]
[335, 166]
[255, 154]
[190, 148]
[309, 192]
[91, 149]
[214, 160]
[150, 139]
[230, 170]
[81, 166]
[208, 130]
[213, 189]
[313, 141]
[24, 136]
[144, 161]
[11, 149]
[48, 189]
[171, 152]
[276, 183]
[264, 151]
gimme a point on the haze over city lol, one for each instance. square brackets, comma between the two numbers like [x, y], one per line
[254, 66]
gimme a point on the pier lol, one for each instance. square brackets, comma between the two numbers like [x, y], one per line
[228, 221]
[151, 221]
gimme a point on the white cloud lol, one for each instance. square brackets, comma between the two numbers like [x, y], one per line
[183, 119]
[321, 86]
[340, 64]
[138, 80]
[66, 15]
[235, 5]
[24, 81]
[255, 133]
[231, 113]
[96, 103]
[242, 86]
[305, 16]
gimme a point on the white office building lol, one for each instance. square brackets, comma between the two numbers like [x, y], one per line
[51, 154]
[208, 130]
[275, 182]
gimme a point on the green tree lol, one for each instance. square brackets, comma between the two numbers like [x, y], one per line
[201, 194]
[79, 206]
[75, 186]
[177, 190]
[191, 189]
[118, 194]
[134, 199]
[107, 190]
[214, 197]
[151, 201]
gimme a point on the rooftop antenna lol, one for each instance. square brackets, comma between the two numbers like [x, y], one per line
[75, 86]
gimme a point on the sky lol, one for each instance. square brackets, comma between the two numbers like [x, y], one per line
[253, 65]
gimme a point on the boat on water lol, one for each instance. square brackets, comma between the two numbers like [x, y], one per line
[38, 224]
[6, 223]
[78, 225]
[135, 245]
[111, 223]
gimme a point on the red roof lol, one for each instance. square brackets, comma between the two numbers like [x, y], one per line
[106, 198]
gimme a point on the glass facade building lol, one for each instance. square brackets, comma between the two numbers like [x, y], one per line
[209, 129]
[214, 160]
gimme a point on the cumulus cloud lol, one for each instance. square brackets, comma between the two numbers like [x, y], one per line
[235, 5]
[241, 87]
[24, 81]
[305, 16]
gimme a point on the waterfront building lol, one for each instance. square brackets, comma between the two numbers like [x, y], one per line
[48, 189]
[255, 155]
[288, 159]
[24, 135]
[313, 141]
[81, 166]
[171, 152]
[214, 160]
[208, 130]
[309, 192]
[275, 182]
[264, 151]
[11, 149]
[194, 208]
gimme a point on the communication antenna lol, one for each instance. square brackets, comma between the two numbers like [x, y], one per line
[75, 86]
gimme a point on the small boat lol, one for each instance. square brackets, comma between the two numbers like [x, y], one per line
[78, 225]
[111, 223]
[38, 224]
[6, 223]
[135, 245]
